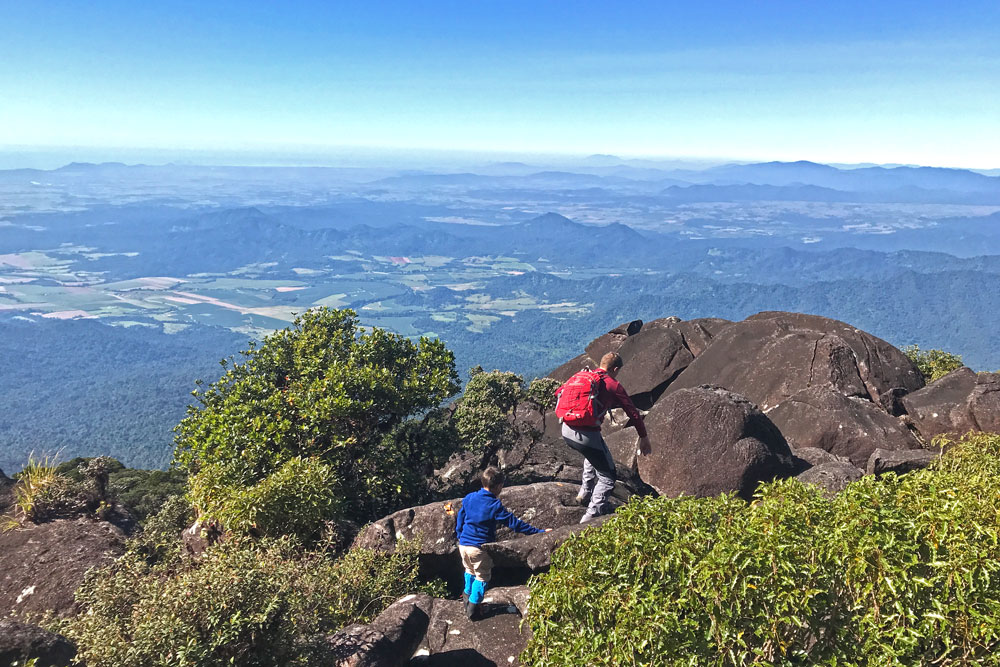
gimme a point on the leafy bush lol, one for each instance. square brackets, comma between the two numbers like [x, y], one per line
[933, 364]
[143, 492]
[298, 498]
[41, 494]
[893, 571]
[483, 418]
[245, 602]
[324, 389]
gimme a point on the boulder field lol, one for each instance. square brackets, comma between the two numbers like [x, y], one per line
[728, 405]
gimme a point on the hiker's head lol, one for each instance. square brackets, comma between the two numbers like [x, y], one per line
[492, 479]
[612, 363]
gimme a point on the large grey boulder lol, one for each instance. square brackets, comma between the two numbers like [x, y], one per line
[21, 642]
[496, 637]
[533, 553]
[955, 404]
[831, 476]
[819, 417]
[41, 566]
[899, 462]
[388, 641]
[771, 356]
[659, 352]
[707, 440]
[544, 505]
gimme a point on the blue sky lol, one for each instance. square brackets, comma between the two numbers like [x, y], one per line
[908, 82]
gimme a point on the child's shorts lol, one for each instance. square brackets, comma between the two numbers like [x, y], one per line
[477, 562]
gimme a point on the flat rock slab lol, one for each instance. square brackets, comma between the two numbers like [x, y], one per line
[388, 641]
[821, 418]
[707, 441]
[882, 461]
[544, 505]
[958, 403]
[534, 552]
[42, 566]
[832, 476]
[495, 638]
[20, 642]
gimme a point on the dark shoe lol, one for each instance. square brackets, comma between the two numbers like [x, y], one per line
[471, 610]
[465, 598]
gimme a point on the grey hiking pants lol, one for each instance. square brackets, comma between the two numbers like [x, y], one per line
[598, 465]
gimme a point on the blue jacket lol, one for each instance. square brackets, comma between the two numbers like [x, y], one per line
[477, 520]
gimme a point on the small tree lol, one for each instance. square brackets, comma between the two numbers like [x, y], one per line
[933, 364]
[330, 396]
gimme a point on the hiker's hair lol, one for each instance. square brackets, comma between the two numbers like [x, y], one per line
[492, 478]
[611, 361]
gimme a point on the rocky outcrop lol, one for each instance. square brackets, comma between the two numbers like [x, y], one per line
[20, 642]
[819, 417]
[42, 565]
[960, 402]
[708, 441]
[533, 553]
[771, 356]
[544, 505]
[388, 641]
[899, 462]
[831, 476]
[813, 456]
[496, 637]
[659, 352]
[609, 342]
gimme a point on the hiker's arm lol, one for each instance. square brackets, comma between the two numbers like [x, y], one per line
[635, 417]
[505, 516]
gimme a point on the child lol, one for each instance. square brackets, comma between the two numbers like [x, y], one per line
[475, 526]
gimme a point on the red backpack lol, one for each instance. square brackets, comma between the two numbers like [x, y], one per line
[577, 403]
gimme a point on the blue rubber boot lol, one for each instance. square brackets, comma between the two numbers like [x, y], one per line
[469, 581]
[478, 592]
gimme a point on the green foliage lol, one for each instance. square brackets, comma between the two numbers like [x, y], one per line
[297, 498]
[40, 494]
[933, 364]
[482, 419]
[893, 571]
[542, 392]
[252, 603]
[143, 492]
[324, 389]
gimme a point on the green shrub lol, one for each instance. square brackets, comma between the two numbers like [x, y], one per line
[893, 571]
[933, 364]
[245, 602]
[326, 389]
[298, 498]
[143, 492]
[42, 494]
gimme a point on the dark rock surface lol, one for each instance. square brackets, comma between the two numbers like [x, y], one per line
[388, 641]
[845, 426]
[771, 356]
[544, 505]
[707, 441]
[960, 402]
[815, 456]
[657, 354]
[899, 462]
[832, 476]
[495, 638]
[533, 553]
[41, 566]
[571, 367]
[20, 642]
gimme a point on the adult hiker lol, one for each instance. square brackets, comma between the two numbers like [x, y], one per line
[584, 399]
